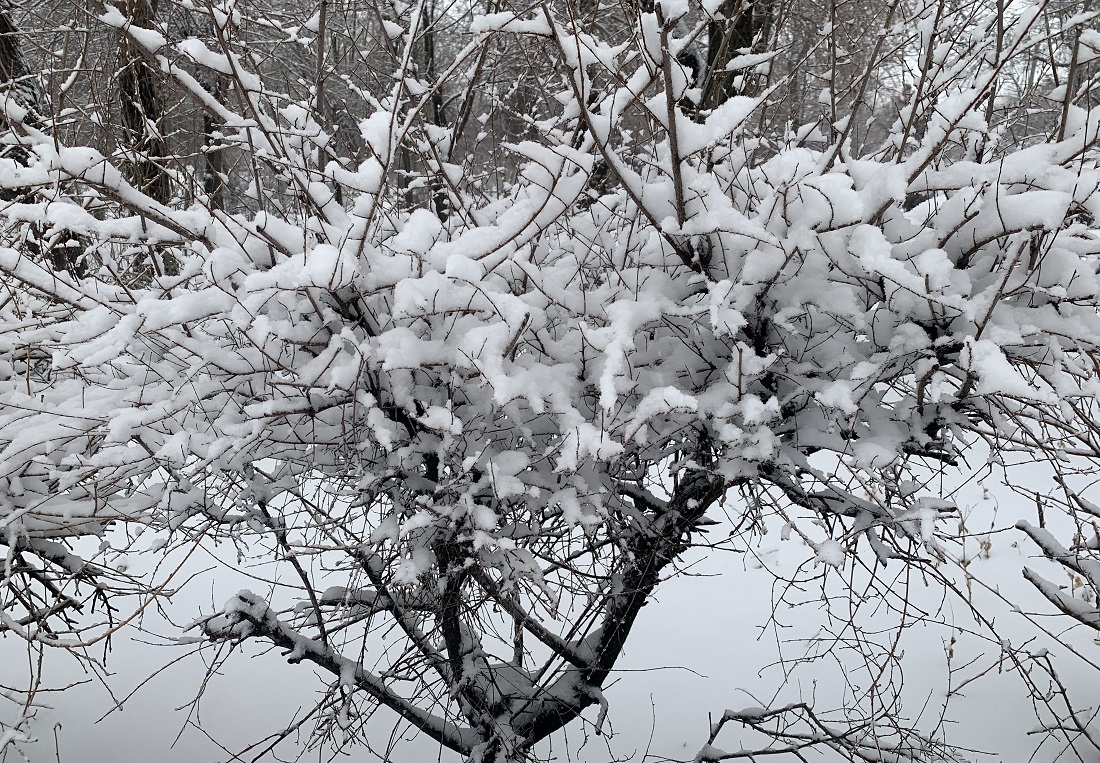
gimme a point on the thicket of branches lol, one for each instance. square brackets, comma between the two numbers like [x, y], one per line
[473, 318]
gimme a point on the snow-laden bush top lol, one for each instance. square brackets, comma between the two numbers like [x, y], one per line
[489, 409]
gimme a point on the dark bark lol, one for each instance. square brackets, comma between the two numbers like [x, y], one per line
[142, 109]
[652, 550]
[63, 251]
[142, 114]
[440, 203]
[214, 167]
[19, 87]
[735, 33]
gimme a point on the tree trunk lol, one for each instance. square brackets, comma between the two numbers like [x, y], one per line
[141, 106]
[142, 113]
[732, 35]
[20, 89]
[22, 109]
[214, 167]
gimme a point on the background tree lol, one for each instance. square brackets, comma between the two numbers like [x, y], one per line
[473, 419]
[141, 106]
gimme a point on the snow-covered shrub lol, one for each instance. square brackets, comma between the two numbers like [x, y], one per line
[489, 413]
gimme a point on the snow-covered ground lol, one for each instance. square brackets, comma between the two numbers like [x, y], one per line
[727, 634]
